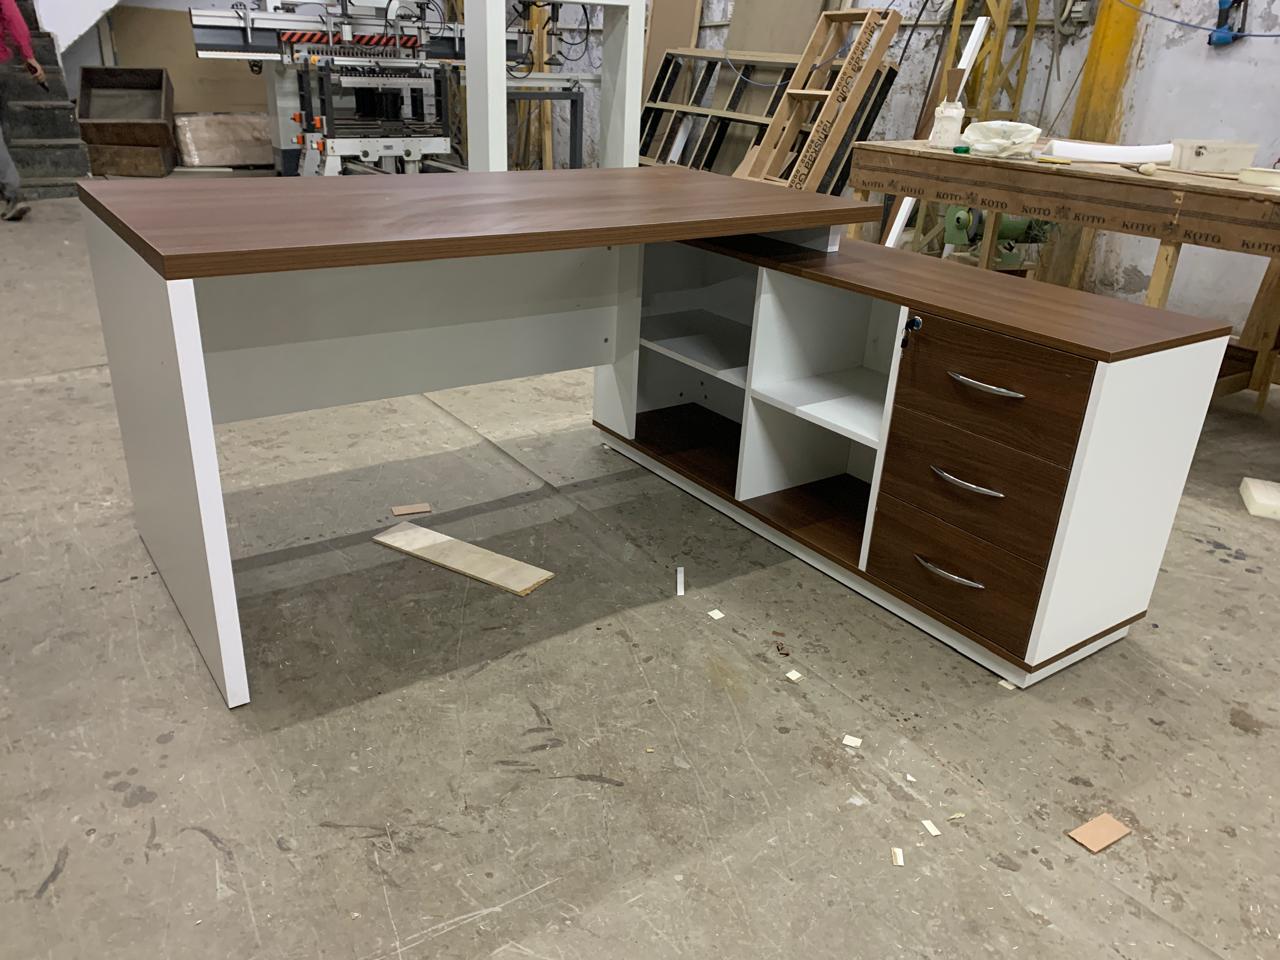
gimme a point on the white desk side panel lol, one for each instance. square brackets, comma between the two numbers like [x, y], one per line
[284, 342]
[1137, 441]
[157, 375]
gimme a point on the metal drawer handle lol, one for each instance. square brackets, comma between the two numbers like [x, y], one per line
[954, 578]
[986, 387]
[966, 485]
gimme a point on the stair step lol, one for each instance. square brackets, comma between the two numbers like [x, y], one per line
[846, 16]
[46, 142]
[48, 188]
[50, 157]
[28, 10]
[809, 94]
[44, 47]
[39, 119]
[17, 84]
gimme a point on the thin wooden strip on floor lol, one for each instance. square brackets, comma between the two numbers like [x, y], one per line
[466, 558]
[410, 509]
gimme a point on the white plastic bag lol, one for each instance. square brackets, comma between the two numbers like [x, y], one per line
[1000, 138]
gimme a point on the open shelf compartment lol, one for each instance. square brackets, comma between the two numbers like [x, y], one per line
[697, 308]
[824, 355]
[705, 341]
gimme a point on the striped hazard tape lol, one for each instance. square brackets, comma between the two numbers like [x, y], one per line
[362, 40]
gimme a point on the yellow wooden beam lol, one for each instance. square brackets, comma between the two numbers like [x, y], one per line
[1098, 113]
[1106, 71]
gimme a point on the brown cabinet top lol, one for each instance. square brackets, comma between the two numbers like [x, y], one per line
[210, 228]
[1084, 324]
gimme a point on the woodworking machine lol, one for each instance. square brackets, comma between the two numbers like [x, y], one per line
[359, 87]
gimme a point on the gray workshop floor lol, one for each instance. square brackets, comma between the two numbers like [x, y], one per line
[434, 769]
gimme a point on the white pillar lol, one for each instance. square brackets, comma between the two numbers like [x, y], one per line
[486, 37]
[621, 78]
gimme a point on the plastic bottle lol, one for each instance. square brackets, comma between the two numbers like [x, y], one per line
[948, 119]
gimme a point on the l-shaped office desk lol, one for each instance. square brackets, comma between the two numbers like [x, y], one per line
[995, 460]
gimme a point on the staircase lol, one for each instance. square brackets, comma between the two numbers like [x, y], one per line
[40, 128]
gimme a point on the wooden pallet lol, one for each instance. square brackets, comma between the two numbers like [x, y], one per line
[835, 84]
[706, 108]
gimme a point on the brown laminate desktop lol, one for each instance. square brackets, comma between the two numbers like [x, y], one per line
[1057, 317]
[209, 228]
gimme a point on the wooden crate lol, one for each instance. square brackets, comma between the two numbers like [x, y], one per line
[115, 160]
[126, 106]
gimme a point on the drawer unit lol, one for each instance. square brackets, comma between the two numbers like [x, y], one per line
[1022, 394]
[977, 585]
[1006, 497]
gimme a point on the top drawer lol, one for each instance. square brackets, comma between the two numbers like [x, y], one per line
[1022, 394]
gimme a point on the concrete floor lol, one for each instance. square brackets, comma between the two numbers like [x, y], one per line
[431, 768]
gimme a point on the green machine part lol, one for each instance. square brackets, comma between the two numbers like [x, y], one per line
[964, 228]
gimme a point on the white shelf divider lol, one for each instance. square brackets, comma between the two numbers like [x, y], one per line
[847, 402]
[706, 341]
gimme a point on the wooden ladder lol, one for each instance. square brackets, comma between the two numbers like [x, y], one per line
[837, 70]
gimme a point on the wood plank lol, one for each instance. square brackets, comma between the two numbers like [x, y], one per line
[769, 25]
[409, 509]
[468, 559]
[209, 228]
[1084, 324]
[672, 23]
[1162, 274]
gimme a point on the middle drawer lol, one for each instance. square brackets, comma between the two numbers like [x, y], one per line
[1006, 497]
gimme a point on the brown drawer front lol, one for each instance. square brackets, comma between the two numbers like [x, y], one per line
[935, 467]
[1003, 609]
[1053, 386]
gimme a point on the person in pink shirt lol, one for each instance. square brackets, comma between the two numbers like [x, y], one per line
[14, 37]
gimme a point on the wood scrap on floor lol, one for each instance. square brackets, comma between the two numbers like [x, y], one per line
[468, 559]
[898, 859]
[1261, 497]
[795, 676]
[1099, 833]
[409, 509]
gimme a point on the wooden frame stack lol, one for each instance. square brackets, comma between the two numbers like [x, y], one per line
[736, 93]
[834, 88]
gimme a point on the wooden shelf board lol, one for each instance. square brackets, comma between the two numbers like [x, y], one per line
[705, 341]
[694, 442]
[848, 402]
[828, 516]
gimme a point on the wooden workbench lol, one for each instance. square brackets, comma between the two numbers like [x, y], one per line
[1173, 207]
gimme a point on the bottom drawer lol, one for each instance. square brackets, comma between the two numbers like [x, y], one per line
[979, 586]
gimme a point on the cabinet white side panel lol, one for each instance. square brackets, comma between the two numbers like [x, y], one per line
[1136, 446]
